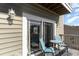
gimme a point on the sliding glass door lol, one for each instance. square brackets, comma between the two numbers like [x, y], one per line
[38, 29]
[48, 32]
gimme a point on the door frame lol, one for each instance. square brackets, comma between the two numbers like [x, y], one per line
[26, 26]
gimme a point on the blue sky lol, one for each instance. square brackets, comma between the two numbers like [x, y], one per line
[73, 17]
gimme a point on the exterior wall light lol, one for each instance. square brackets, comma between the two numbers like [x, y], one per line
[11, 16]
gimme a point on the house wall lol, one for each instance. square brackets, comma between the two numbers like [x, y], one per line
[10, 36]
[60, 26]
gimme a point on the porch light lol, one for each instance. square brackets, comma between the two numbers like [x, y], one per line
[11, 16]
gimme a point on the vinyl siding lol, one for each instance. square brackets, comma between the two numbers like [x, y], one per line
[60, 26]
[10, 36]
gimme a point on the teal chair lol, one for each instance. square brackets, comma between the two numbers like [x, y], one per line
[46, 50]
[59, 41]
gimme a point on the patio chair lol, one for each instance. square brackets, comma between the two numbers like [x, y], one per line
[46, 50]
[59, 41]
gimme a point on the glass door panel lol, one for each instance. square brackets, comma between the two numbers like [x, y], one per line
[48, 33]
[34, 36]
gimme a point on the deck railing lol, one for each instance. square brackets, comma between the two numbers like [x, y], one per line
[71, 40]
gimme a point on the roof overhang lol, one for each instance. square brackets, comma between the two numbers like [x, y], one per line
[51, 8]
[67, 6]
[58, 8]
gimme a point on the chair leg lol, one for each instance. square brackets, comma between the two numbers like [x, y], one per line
[43, 53]
[67, 50]
[53, 54]
[49, 54]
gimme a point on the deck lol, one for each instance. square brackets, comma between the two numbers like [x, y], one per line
[71, 52]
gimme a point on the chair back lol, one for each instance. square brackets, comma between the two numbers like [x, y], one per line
[58, 38]
[42, 44]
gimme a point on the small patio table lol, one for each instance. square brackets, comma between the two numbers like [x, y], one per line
[55, 42]
[59, 42]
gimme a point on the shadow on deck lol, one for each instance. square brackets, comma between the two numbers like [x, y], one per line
[63, 52]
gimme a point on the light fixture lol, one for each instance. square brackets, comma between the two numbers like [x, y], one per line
[11, 16]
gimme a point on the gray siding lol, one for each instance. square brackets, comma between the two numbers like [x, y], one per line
[10, 36]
